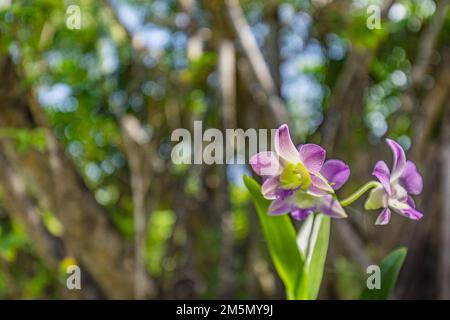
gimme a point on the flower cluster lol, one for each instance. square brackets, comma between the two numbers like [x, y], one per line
[300, 181]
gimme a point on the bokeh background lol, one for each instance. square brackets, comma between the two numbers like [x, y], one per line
[86, 116]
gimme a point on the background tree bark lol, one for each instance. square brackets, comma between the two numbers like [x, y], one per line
[88, 232]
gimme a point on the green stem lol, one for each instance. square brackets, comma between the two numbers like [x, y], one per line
[358, 193]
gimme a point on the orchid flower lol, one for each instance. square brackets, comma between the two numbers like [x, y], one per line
[300, 181]
[395, 187]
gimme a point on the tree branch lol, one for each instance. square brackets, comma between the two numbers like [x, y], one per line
[227, 74]
[261, 70]
[136, 146]
[431, 110]
[428, 42]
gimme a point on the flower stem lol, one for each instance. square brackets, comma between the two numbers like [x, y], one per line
[358, 193]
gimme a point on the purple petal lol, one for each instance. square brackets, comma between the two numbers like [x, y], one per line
[331, 207]
[336, 172]
[413, 214]
[280, 206]
[301, 214]
[411, 202]
[283, 193]
[312, 156]
[405, 209]
[266, 164]
[411, 179]
[384, 217]
[269, 188]
[381, 171]
[399, 159]
[284, 146]
[319, 186]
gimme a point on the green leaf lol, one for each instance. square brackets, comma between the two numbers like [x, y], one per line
[313, 242]
[280, 236]
[390, 268]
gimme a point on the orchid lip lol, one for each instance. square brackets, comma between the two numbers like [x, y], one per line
[294, 176]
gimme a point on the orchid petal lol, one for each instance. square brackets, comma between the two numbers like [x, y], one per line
[405, 209]
[317, 192]
[269, 188]
[283, 193]
[411, 179]
[384, 217]
[312, 156]
[280, 206]
[381, 171]
[411, 202]
[331, 207]
[320, 186]
[377, 199]
[398, 206]
[301, 214]
[283, 145]
[399, 159]
[336, 172]
[266, 164]
[413, 214]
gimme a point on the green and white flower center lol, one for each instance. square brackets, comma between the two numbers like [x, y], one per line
[294, 176]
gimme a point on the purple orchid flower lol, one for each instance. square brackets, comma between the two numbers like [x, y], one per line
[395, 187]
[300, 181]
